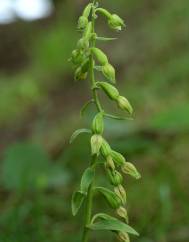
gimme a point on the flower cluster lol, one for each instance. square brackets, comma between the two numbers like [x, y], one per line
[87, 59]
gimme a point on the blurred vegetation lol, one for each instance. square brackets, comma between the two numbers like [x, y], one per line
[39, 109]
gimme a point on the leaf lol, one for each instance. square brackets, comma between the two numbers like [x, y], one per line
[78, 132]
[107, 222]
[117, 117]
[77, 200]
[85, 106]
[87, 179]
[111, 197]
[105, 39]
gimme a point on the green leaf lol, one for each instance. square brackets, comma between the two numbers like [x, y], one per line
[117, 117]
[77, 200]
[87, 179]
[111, 197]
[78, 132]
[105, 39]
[107, 222]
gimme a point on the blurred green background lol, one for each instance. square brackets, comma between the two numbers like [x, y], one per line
[39, 110]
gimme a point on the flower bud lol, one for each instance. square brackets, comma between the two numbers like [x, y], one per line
[98, 124]
[88, 31]
[109, 72]
[110, 163]
[112, 198]
[87, 10]
[85, 66]
[120, 191]
[123, 237]
[124, 104]
[79, 74]
[96, 143]
[101, 57]
[77, 57]
[110, 90]
[122, 212]
[115, 202]
[83, 43]
[105, 149]
[129, 168]
[118, 158]
[82, 22]
[115, 177]
[115, 22]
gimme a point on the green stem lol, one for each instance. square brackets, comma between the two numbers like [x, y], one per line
[89, 200]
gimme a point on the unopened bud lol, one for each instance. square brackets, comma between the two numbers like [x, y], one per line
[120, 191]
[109, 72]
[115, 22]
[88, 30]
[87, 10]
[85, 66]
[118, 158]
[129, 168]
[79, 74]
[96, 143]
[83, 43]
[115, 177]
[77, 57]
[101, 57]
[98, 124]
[110, 163]
[112, 199]
[110, 90]
[82, 22]
[122, 212]
[123, 237]
[105, 149]
[124, 104]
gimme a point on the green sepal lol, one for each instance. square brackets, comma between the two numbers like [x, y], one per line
[109, 72]
[118, 158]
[96, 143]
[109, 89]
[130, 169]
[106, 222]
[77, 200]
[78, 132]
[98, 123]
[87, 10]
[100, 56]
[113, 199]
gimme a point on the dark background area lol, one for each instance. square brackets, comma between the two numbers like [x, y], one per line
[39, 110]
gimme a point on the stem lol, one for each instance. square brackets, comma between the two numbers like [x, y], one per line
[89, 200]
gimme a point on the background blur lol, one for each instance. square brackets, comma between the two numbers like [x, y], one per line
[39, 110]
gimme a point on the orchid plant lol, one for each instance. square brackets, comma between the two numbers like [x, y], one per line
[87, 58]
